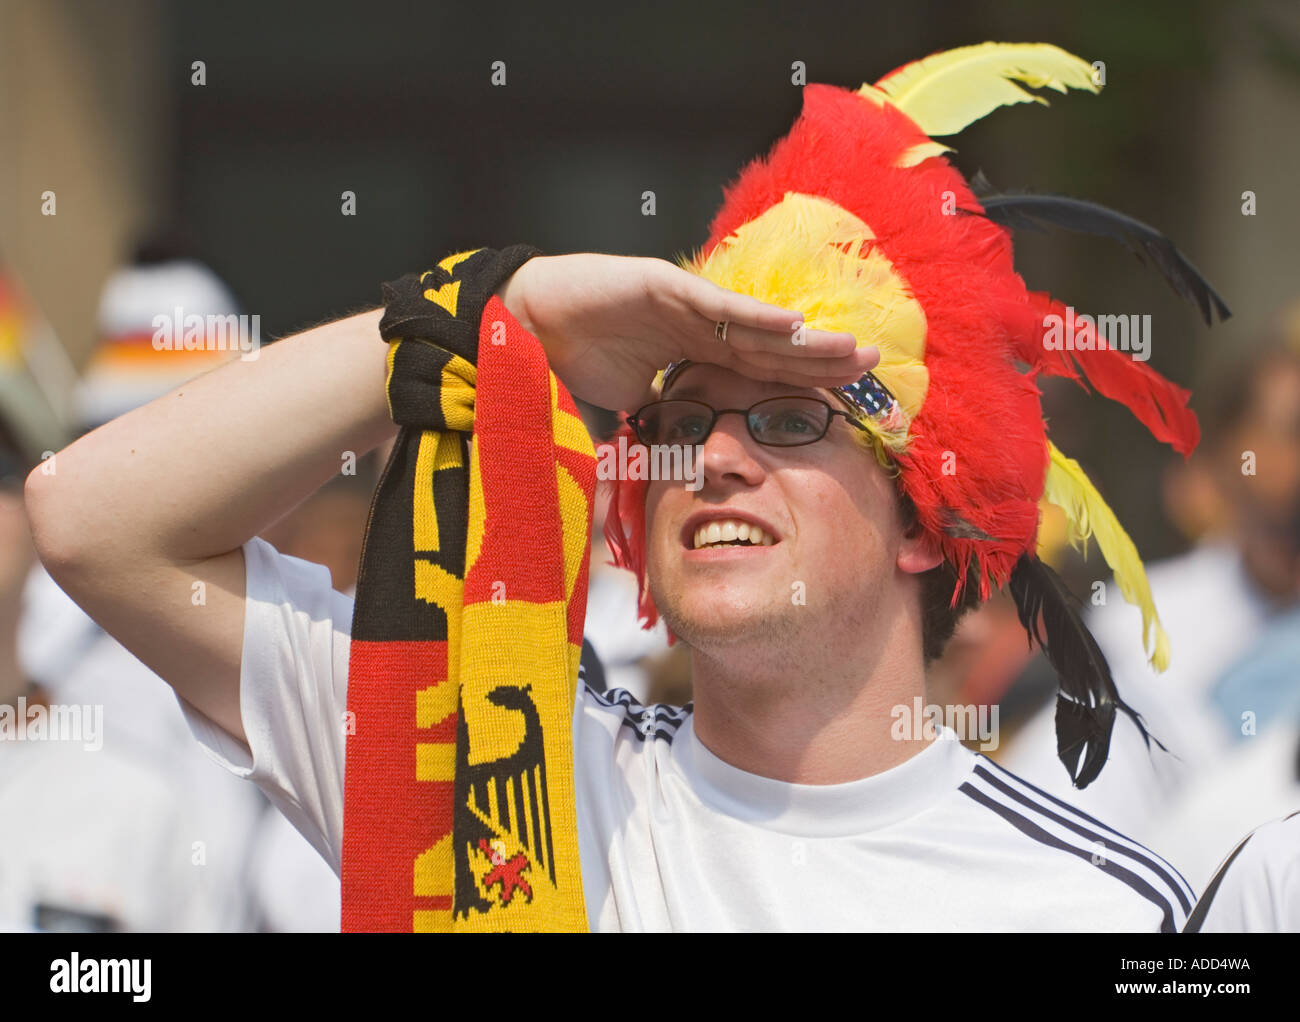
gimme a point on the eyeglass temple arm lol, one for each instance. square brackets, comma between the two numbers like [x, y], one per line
[850, 417]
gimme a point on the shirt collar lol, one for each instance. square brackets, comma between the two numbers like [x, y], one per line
[823, 810]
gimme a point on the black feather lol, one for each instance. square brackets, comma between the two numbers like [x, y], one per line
[1039, 212]
[1087, 701]
[956, 526]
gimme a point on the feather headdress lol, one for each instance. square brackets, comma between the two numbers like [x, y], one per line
[857, 219]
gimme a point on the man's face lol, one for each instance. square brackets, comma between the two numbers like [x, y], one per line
[836, 555]
[1272, 432]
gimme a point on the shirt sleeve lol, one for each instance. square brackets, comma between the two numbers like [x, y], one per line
[1257, 889]
[292, 694]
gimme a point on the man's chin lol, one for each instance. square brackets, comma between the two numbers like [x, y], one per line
[724, 624]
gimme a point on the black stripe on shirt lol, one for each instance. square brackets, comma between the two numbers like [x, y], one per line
[667, 719]
[1197, 919]
[1189, 894]
[1031, 829]
[1149, 860]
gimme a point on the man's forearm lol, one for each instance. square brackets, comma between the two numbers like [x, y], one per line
[205, 468]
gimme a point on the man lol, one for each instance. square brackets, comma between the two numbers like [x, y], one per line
[811, 573]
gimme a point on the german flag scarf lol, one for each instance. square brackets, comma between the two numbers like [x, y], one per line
[459, 805]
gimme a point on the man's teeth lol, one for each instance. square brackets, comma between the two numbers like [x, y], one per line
[731, 530]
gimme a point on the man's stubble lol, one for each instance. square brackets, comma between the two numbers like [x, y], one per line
[772, 637]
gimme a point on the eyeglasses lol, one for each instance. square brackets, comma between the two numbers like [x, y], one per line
[867, 394]
[774, 422]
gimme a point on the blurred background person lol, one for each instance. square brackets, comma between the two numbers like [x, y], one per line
[76, 662]
[94, 838]
[1257, 889]
[1256, 702]
[1238, 497]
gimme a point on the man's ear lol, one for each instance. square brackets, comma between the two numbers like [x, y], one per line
[919, 551]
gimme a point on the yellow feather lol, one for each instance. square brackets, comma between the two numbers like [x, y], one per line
[950, 90]
[923, 151]
[1088, 514]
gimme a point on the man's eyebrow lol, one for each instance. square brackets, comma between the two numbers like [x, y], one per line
[688, 391]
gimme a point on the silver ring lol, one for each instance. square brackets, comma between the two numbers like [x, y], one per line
[720, 331]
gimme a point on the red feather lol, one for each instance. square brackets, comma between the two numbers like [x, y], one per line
[625, 532]
[1158, 403]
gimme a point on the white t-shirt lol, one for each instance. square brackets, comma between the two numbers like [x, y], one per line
[673, 838]
[93, 840]
[1257, 889]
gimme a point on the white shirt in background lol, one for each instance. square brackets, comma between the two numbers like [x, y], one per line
[293, 887]
[1254, 784]
[92, 840]
[78, 663]
[1257, 890]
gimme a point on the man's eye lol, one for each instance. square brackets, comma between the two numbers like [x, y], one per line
[793, 423]
[686, 428]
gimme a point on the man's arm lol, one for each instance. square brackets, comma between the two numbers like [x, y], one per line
[142, 520]
[131, 518]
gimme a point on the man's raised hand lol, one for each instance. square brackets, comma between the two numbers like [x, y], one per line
[609, 323]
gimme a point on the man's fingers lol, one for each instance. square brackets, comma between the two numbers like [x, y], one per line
[796, 343]
[860, 360]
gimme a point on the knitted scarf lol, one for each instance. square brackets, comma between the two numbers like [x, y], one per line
[459, 805]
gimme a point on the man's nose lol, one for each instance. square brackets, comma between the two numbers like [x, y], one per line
[729, 451]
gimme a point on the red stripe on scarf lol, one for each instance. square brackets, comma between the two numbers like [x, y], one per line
[413, 815]
[516, 453]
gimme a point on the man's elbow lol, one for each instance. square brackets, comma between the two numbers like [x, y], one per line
[56, 541]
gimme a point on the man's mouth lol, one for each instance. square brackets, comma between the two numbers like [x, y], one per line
[730, 532]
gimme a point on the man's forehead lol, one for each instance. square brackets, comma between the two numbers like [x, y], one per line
[703, 380]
